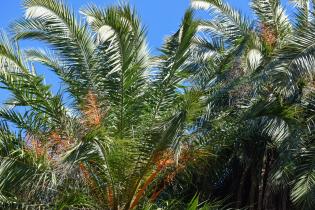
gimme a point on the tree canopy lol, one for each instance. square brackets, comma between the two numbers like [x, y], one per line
[222, 118]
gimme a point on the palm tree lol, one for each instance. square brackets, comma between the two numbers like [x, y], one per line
[115, 135]
[128, 131]
[257, 77]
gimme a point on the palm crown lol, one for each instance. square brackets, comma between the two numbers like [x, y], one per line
[119, 137]
[258, 77]
[228, 103]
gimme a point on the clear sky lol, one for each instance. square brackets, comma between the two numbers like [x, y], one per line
[161, 17]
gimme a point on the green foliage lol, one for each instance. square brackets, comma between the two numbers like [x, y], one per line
[123, 132]
[222, 118]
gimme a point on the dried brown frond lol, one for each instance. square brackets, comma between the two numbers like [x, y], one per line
[92, 110]
[169, 168]
[38, 147]
[33, 144]
[91, 183]
[84, 172]
[110, 197]
[269, 36]
[157, 192]
[57, 144]
[185, 158]
[162, 160]
[141, 191]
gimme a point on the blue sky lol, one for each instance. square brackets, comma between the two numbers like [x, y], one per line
[161, 17]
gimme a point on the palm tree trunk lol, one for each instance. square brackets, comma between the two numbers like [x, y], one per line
[268, 201]
[261, 187]
[284, 199]
[253, 188]
[241, 188]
